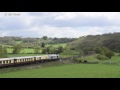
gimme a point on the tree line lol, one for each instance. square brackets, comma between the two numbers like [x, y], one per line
[32, 42]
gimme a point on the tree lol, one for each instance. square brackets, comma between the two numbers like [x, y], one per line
[43, 44]
[17, 48]
[48, 50]
[59, 50]
[37, 50]
[44, 51]
[52, 50]
[3, 52]
[45, 37]
[109, 54]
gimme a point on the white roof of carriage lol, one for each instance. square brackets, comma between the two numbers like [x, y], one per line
[3, 59]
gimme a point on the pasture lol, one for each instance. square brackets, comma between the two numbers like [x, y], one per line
[57, 45]
[68, 71]
[31, 50]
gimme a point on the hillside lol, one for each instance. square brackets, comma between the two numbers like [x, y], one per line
[90, 42]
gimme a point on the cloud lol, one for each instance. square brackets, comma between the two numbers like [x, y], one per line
[59, 24]
[4, 33]
[50, 31]
[77, 19]
[66, 16]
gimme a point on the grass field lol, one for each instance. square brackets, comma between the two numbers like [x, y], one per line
[26, 50]
[57, 45]
[29, 50]
[68, 71]
[18, 42]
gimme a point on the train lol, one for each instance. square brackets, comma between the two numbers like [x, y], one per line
[16, 61]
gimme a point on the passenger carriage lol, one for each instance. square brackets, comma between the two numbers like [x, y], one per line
[6, 62]
[21, 60]
[27, 60]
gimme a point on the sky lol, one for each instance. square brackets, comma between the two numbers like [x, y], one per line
[58, 24]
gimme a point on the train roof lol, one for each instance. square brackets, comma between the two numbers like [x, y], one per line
[37, 56]
[23, 57]
[3, 59]
[53, 54]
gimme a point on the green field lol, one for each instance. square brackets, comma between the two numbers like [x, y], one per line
[68, 71]
[18, 42]
[57, 45]
[29, 50]
[26, 50]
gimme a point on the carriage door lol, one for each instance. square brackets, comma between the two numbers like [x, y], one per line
[0, 62]
[15, 61]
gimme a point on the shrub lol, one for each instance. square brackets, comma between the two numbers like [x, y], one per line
[102, 57]
[79, 60]
[109, 54]
[85, 61]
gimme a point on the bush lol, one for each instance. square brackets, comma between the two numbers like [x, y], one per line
[85, 61]
[102, 57]
[79, 60]
[109, 54]
[119, 54]
[104, 51]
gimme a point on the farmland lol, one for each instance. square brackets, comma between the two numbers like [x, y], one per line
[57, 45]
[31, 50]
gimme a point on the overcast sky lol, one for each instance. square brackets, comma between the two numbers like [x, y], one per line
[58, 24]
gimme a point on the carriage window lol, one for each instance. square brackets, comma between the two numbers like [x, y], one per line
[10, 61]
[3, 62]
[0, 62]
[7, 61]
